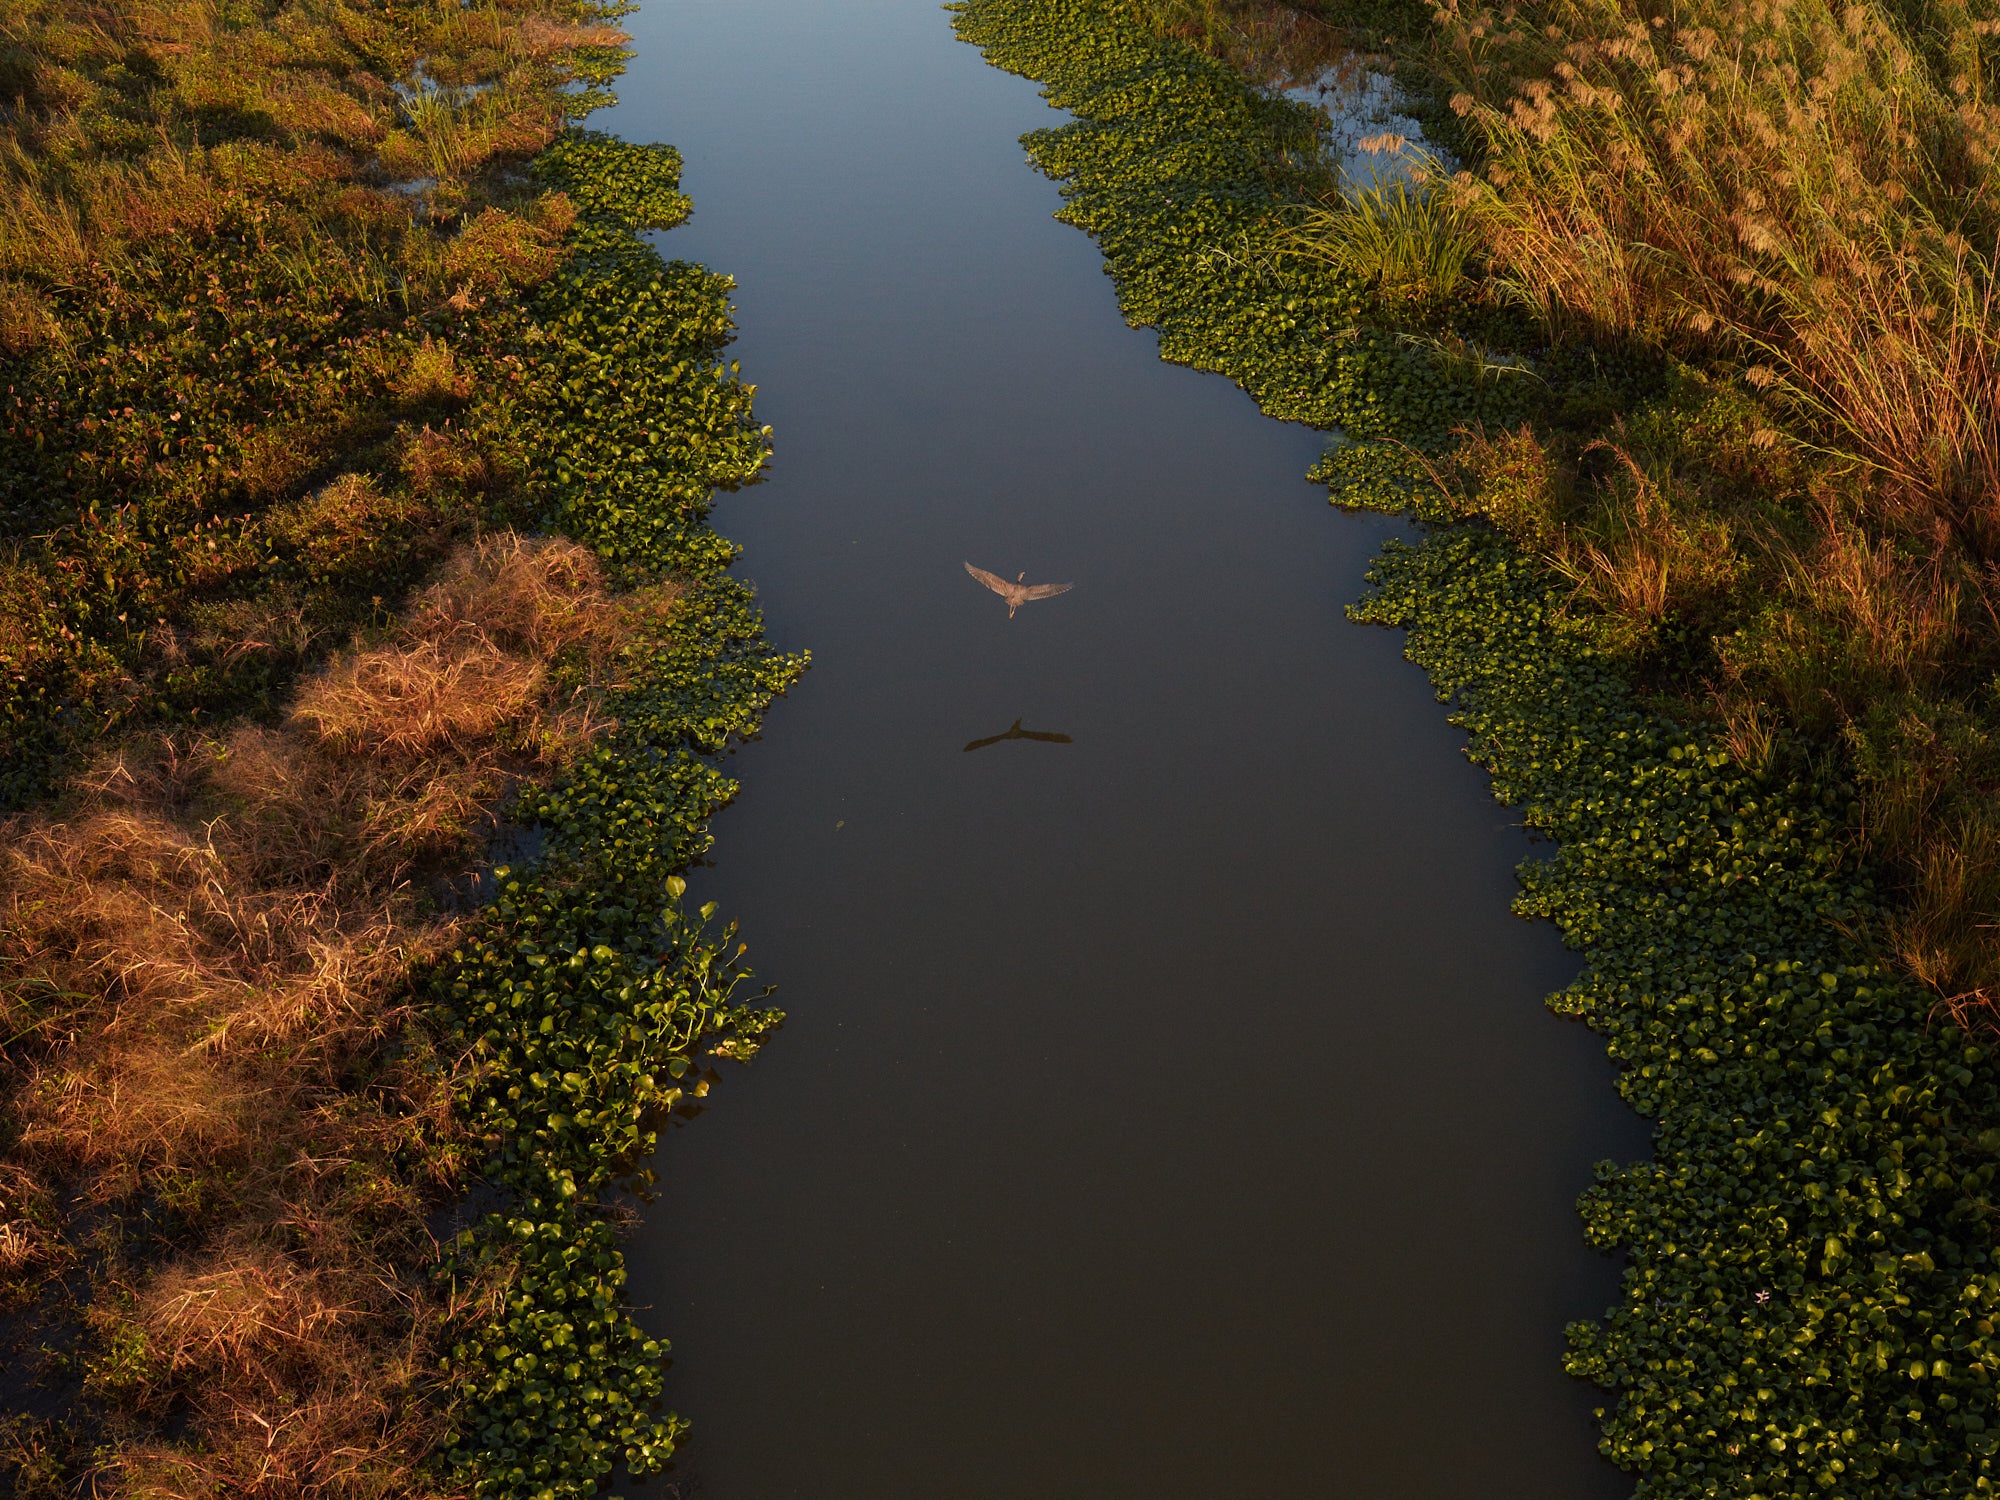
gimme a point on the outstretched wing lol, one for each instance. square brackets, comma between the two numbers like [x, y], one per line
[1046, 590]
[993, 581]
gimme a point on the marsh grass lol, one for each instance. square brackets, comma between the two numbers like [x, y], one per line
[206, 954]
[1410, 241]
[1791, 182]
[242, 250]
[270, 657]
[1792, 209]
[1761, 588]
[1804, 195]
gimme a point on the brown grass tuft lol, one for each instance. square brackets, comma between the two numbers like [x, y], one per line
[217, 933]
[542, 37]
[472, 657]
[1647, 555]
[499, 249]
[432, 374]
[1273, 43]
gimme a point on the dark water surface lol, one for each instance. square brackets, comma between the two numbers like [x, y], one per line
[1168, 1112]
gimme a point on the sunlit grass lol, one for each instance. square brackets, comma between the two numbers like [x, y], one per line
[1411, 241]
[1799, 202]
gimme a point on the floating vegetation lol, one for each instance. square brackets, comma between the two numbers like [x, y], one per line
[585, 994]
[359, 464]
[1809, 1304]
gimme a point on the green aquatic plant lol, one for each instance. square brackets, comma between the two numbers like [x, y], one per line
[1808, 1309]
[1409, 241]
[585, 995]
[281, 339]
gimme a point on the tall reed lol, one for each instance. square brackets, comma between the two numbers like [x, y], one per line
[1792, 182]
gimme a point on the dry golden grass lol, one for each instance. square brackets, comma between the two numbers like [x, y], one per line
[1791, 181]
[1944, 929]
[1901, 613]
[26, 1245]
[1645, 558]
[1272, 43]
[472, 655]
[296, 75]
[541, 37]
[201, 952]
[290, 1387]
[1620, 529]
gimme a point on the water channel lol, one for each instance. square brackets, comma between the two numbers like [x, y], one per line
[1167, 1110]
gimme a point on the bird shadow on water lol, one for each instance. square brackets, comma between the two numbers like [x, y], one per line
[1016, 732]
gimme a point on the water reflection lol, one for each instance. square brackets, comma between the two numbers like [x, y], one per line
[1016, 732]
[879, 1257]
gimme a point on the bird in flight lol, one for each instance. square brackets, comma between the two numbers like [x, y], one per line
[1017, 593]
[1016, 732]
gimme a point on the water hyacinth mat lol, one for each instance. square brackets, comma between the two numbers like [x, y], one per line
[585, 994]
[1808, 1306]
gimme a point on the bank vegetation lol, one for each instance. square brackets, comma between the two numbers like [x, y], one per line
[1775, 225]
[1714, 623]
[307, 593]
